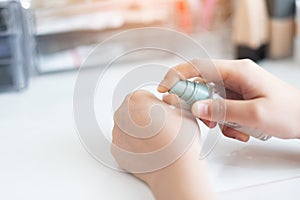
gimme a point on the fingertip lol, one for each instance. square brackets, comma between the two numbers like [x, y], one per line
[242, 138]
[162, 89]
[209, 124]
[167, 83]
[246, 139]
[234, 134]
[212, 124]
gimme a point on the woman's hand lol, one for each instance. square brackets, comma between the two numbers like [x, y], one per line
[144, 124]
[255, 98]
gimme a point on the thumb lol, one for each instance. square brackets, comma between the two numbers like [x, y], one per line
[238, 111]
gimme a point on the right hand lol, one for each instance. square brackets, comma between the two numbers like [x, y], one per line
[266, 103]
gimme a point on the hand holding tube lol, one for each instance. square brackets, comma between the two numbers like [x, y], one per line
[254, 99]
[192, 92]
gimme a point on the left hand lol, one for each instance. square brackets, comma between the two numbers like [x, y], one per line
[138, 117]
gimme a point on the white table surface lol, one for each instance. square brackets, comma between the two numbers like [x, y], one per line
[41, 156]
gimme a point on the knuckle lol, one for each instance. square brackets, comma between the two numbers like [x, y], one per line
[247, 62]
[217, 110]
[133, 100]
[138, 96]
[175, 73]
[136, 109]
[248, 65]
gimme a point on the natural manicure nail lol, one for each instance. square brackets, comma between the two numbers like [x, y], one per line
[162, 87]
[200, 109]
[242, 138]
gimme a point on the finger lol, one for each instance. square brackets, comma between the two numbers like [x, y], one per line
[233, 95]
[180, 72]
[229, 93]
[137, 108]
[174, 100]
[228, 71]
[236, 74]
[199, 80]
[243, 112]
[209, 124]
[235, 134]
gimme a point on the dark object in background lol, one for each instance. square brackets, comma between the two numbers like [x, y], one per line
[281, 8]
[253, 54]
[16, 46]
[251, 32]
[282, 28]
[6, 77]
[3, 25]
[5, 49]
[256, 55]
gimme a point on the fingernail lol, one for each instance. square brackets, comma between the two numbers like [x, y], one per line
[200, 109]
[161, 87]
[242, 138]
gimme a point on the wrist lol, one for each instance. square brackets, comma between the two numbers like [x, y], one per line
[295, 125]
[187, 178]
[298, 115]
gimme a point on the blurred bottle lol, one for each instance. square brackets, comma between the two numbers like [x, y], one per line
[282, 28]
[184, 16]
[208, 11]
[250, 31]
[297, 43]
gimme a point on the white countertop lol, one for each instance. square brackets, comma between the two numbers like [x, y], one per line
[41, 156]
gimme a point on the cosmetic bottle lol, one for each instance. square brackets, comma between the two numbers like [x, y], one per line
[251, 29]
[282, 28]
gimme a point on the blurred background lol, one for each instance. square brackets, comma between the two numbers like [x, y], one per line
[38, 37]
[43, 44]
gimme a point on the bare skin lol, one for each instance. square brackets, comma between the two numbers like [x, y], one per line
[261, 101]
[264, 104]
[183, 179]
